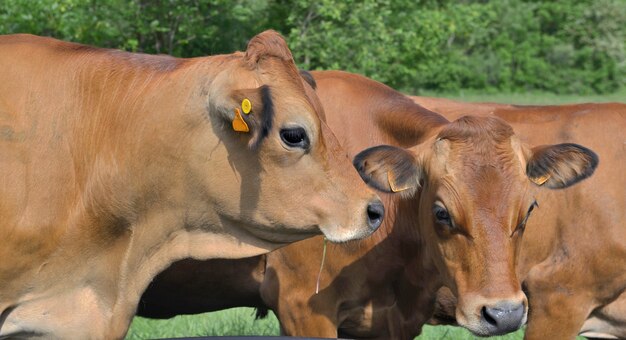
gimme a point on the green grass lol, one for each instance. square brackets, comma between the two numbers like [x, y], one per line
[240, 321]
[529, 98]
[236, 321]
[458, 333]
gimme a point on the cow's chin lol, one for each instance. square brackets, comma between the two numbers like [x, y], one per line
[472, 322]
[268, 236]
[282, 235]
[338, 234]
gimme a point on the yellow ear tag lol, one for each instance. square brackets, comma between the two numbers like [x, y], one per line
[392, 183]
[540, 180]
[238, 123]
[246, 106]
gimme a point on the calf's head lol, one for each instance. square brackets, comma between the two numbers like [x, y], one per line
[283, 176]
[473, 185]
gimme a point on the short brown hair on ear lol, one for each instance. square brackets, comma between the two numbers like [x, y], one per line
[560, 166]
[308, 77]
[388, 169]
[267, 44]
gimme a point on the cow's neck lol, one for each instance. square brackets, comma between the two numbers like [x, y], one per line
[398, 236]
[140, 202]
[406, 124]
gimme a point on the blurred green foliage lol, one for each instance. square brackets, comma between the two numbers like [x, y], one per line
[565, 46]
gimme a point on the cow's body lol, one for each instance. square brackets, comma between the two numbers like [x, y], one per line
[383, 286]
[113, 165]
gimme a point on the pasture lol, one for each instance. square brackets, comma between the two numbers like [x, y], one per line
[241, 321]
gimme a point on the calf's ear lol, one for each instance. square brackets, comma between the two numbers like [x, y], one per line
[389, 169]
[560, 166]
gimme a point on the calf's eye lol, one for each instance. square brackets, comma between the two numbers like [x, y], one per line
[441, 215]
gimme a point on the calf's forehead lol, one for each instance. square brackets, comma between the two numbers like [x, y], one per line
[495, 174]
[481, 171]
[478, 147]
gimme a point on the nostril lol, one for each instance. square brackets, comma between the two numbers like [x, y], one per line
[375, 214]
[488, 317]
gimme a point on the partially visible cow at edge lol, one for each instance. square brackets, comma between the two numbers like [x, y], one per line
[113, 165]
[384, 286]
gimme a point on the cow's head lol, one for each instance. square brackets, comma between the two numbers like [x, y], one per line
[284, 176]
[475, 184]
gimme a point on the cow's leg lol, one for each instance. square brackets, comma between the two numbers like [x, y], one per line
[299, 313]
[310, 315]
[607, 322]
[399, 327]
[302, 322]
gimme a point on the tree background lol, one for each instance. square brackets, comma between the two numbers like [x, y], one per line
[565, 46]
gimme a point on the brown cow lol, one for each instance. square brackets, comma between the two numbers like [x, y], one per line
[384, 286]
[573, 268]
[113, 165]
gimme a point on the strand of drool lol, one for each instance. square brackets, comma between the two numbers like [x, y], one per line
[319, 275]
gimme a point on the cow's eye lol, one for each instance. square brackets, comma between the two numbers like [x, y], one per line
[295, 137]
[441, 215]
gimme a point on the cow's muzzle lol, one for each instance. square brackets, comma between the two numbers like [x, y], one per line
[502, 318]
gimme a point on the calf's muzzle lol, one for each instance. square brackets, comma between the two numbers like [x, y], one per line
[502, 318]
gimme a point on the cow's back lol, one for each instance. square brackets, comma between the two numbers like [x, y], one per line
[64, 131]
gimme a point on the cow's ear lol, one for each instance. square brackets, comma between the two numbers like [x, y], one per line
[252, 113]
[561, 165]
[308, 77]
[267, 44]
[389, 169]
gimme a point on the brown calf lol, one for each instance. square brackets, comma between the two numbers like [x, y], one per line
[573, 254]
[113, 165]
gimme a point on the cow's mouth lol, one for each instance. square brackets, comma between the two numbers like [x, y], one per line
[278, 235]
[282, 234]
[499, 319]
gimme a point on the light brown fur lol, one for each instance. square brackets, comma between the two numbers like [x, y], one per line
[113, 165]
